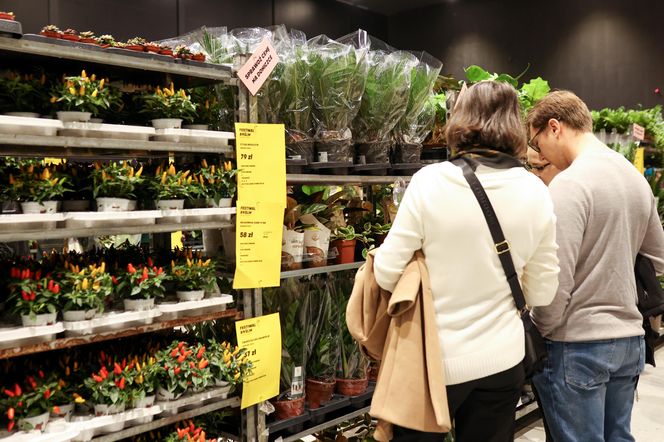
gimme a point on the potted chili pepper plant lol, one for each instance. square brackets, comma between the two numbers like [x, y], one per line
[35, 298]
[140, 286]
[168, 108]
[86, 290]
[114, 186]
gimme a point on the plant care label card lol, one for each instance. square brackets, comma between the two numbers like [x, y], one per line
[262, 338]
[258, 238]
[259, 67]
[261, 161]
[638, 132]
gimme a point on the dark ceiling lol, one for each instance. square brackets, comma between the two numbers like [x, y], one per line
[390, 7]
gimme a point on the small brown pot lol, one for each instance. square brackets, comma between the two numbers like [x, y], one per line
[153, 48]
[51, 34]
[318, 392]
[198, 57]
[71, 37]
[288, 409]
[137, 48]
[352, 387]
[168, 52]
[5, 16]
[345, 251]
[89, 41]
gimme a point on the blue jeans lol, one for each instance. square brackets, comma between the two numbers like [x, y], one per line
[587, 388]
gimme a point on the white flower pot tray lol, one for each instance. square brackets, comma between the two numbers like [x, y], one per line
[111, 321]
[100, 130]
[101, 424]
[175, 310]
[112, 219]
[61, 434]
[194, 400]
[196, 215]
[14, 336]
[29, 126]
[28, 222]
[193, 136]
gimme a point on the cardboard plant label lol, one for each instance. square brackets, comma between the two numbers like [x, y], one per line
[259, 67]
[297, 385]
[261, 337]
[638, 132]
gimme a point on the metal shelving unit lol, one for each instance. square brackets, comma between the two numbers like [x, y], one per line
[76, 341]
[327, 424]
[34, 145]
[293, 178]
[320, 270]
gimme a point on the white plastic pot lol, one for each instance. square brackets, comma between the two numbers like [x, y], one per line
[34, 423]
[138, 305]
[65, 412]
[220, 383]
[39, 320]
[96, 120]
[115, 205]
[75, 206]
[23, 114]
[105, 410]
[146, 402]
[196, 126]
[79, 315]
[170, 204]
[190, 295]
[165, 395]
[43, 207]
[223, 203]
[74, 116]
[167, 123]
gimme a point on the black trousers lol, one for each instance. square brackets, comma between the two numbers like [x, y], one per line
[482, 410]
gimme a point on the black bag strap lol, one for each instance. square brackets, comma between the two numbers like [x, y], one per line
[501, 245]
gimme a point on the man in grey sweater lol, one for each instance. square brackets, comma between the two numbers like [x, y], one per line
[606, 215]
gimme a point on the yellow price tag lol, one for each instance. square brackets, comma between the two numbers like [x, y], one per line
[262, 338]
[258, 238]
[639, 159]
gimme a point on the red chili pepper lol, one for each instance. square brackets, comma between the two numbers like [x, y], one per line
[103, 356]
[192, 427]
[115, 280]
[50, 285]
[117, 369]
[181, 358]
[10, 414]
[30, 273]
[150, 264]
[200, 352]
[204, 363]
[20, 404]
[166, 367]
[9, 393]
[56, 409]
[25, 296]
[124, 363]
[47, 394]
[38, 274]
[12, 272]
[10, 426]
[145, 274]
[24, 274]
[131, 269]
[192, 365]
[160, 270]
[17, 390]
[181, 344]
[33, 296]
[56, 289]
[99, 379]
[41, 374]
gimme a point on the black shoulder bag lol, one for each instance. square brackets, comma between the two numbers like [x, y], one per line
[536, 353]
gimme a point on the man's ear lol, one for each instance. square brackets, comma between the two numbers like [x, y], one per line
[556, 126]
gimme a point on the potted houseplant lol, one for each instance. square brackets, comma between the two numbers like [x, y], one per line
[78, 98]
[192, 277]
[220, 182]
[170, 187]
[344, 239]
[321, 342]
[114, 186]
[78, 200]
[107, 389]
[86, 290]
[62, 398]
[35, 297]
[140, 286]
[88, 37]
[338, 74]
[39, 190]
[178, 369]
[23, 95]
[189, 433]
[208, 107]
[168, 108]
[153, 47]
[143, 385]
[136, 44]
[297, 106]
[183, 52]
[352, 368]
[71, 35]
[376, 231]
[229, 365]
[51, 31]
[28, 407]
[106, 41]
[7, 16]
[292, 242]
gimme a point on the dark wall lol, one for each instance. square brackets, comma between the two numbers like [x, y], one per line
[607, 51]
[160, 19]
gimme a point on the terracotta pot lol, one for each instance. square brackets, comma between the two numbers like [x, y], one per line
[345, 250]
[168, 52]
[5, 16]
[198, 57]
[137, 48]
[88, 40]
[352, 387]
[71, 37]
[318, 392]
[51, 34]
[287, 409]
[153, 48]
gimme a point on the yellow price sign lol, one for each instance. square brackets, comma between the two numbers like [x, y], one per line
[262, 338]
[261, 161]
[258, 238]
[639, 160]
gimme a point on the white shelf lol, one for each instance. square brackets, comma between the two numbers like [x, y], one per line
[18, 335]
[305, 178]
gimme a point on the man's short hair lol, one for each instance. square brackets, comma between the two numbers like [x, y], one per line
[564, 106]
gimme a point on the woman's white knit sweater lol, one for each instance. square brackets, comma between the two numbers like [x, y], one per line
[479, 328]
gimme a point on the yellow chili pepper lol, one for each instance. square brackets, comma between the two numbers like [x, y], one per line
[93, 77]
[204, 163]
[163, 178]
[172, 88]
[94, 93]
[82, 90]
[72, 91]
[79, 400]
[53, 99]
[83, 74]
[139, 172]
[101, 84]
[84, 285]
[171, 169]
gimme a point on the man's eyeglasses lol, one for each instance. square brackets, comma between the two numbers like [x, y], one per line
[530, 142]
[529, 167]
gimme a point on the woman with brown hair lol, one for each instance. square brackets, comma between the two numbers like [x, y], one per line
[480, 332]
